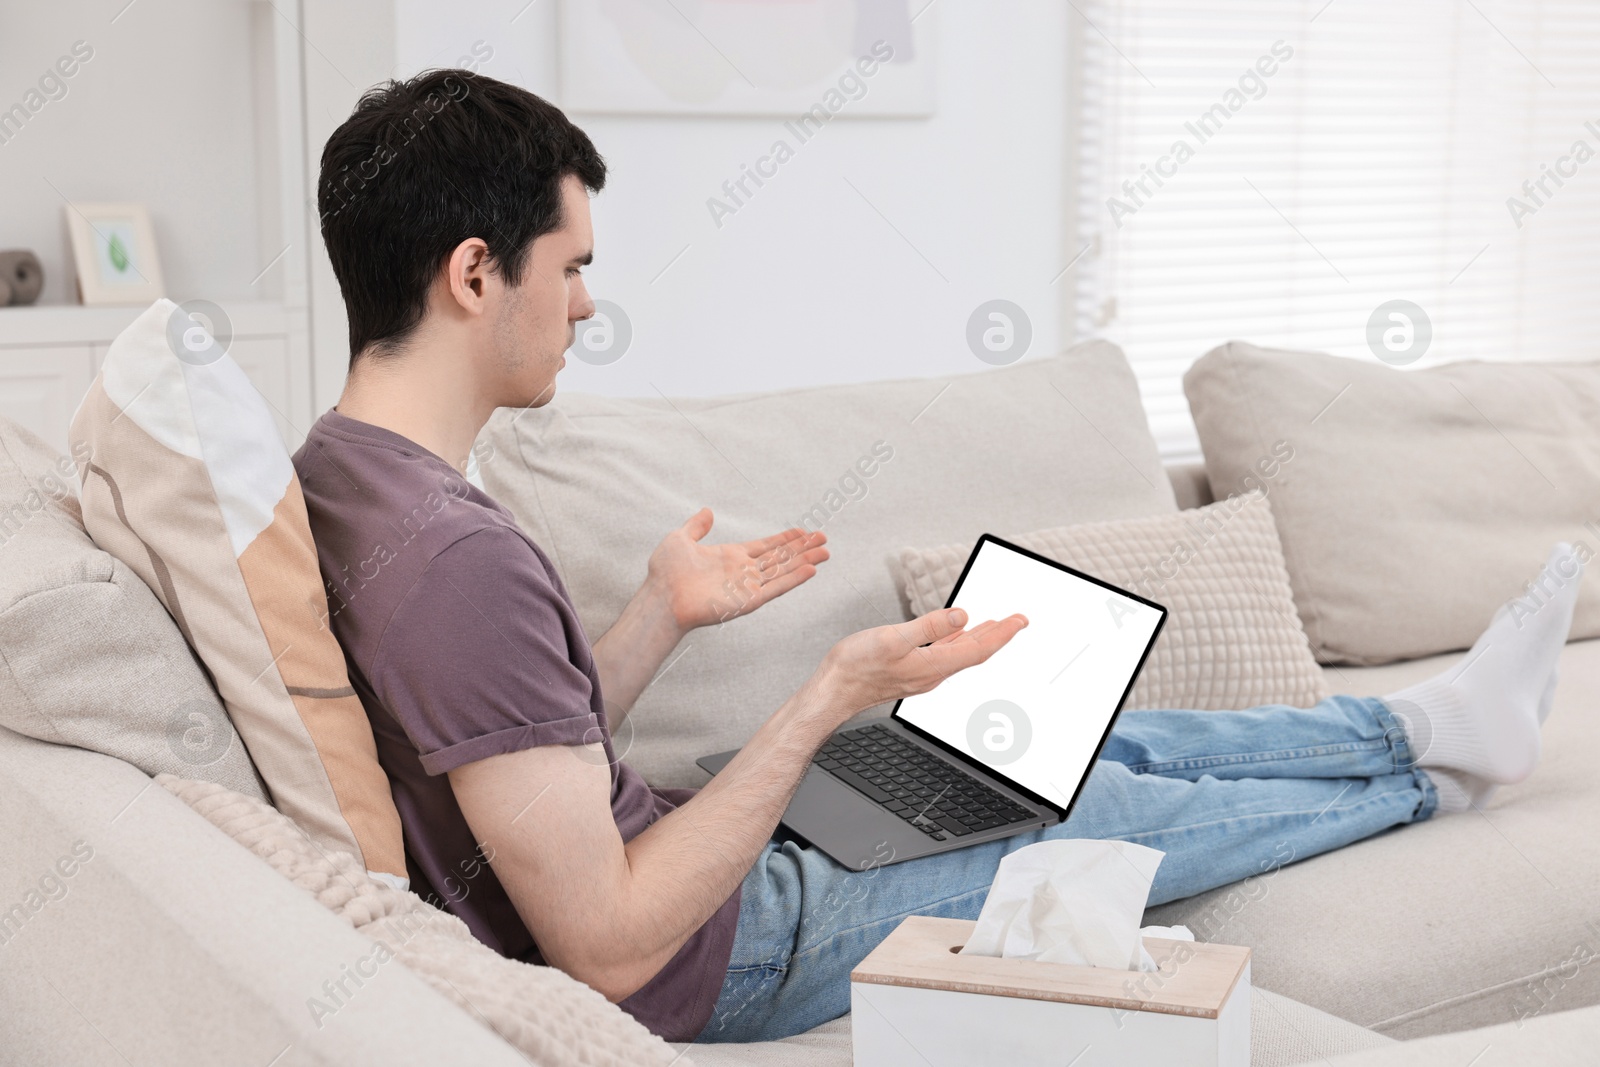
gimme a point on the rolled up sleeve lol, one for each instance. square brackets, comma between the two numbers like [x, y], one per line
[477, 659]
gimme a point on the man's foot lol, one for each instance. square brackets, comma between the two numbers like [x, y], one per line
[1460, 791]
[1482, 716]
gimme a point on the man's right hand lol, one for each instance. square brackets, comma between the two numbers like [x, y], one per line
[886, 663]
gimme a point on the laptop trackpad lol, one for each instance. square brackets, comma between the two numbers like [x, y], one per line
[849, 827]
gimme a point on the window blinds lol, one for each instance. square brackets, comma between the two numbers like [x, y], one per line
[1276, 171]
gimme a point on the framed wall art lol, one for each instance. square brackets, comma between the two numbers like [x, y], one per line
[863, 58]
[114, 253]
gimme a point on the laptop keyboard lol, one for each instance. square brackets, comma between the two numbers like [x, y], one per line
[936, 797]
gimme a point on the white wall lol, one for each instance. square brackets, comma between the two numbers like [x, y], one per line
[804, 285]
[348, 46]
[807, 284]
[161, 115]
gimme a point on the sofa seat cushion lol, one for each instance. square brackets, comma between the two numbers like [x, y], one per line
[1463, 921]
[1555, 1039]
[598, 481]
[1282, 1033]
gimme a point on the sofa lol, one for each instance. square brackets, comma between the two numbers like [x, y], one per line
[1467, 936]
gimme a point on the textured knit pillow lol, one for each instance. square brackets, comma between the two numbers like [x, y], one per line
[1232, 638]
[87, 655]
[551, 1018]
[188, 482]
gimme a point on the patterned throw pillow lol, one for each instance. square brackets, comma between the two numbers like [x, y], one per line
[188, 482]
[1232, 638]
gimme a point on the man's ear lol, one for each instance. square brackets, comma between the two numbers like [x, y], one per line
[467, 274]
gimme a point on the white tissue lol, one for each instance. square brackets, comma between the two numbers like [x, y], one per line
[1171, 933]
[1071, 901]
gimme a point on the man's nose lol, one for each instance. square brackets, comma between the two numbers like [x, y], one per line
[582, 305]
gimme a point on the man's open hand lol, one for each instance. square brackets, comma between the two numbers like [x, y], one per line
[705, 584]
[889, 662]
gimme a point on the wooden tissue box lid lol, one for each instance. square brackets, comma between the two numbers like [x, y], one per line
[919, 954]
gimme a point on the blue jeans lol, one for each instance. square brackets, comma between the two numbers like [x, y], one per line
[1225, 794]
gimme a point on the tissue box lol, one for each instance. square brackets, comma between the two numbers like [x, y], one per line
[915, 1000]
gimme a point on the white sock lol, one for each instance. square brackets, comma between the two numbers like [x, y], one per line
[1482, 716]
[1459, 791]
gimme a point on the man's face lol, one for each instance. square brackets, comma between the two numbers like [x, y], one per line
[534, 324]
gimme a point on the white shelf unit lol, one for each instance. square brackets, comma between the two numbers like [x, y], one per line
[49, 355]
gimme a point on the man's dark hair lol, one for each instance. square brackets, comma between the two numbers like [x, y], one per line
[424, 164]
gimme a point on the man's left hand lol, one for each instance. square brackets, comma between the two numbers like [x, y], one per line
[704, 584]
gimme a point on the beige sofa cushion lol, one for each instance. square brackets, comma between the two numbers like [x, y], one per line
[1463, 921]
[598, 482]
[189, 483]
[1557, 1039]
[1232, 638]
[168, 944]
[1282, 1033]
[1416, 502]
[88, 656]
[149, 928]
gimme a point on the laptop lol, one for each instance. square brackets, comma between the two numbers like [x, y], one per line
[996, 749]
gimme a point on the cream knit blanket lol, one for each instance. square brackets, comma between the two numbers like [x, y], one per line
[551, 1018]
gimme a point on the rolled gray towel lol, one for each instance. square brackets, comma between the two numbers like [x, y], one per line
[21, 275]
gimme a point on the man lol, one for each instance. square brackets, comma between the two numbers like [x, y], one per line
[455, 210]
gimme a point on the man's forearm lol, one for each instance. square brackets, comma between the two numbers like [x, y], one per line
[612, 913]
[628, 655]
[684, 867]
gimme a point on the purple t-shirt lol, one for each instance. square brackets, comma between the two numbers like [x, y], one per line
[462, 643]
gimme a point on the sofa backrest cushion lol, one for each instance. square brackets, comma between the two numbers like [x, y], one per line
[88, 657]
[1414, 502]
[189, 484]
[598, 481]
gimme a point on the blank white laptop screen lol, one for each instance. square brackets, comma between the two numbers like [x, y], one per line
[1038, 711]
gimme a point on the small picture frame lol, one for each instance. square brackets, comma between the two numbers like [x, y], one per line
[114, 254]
